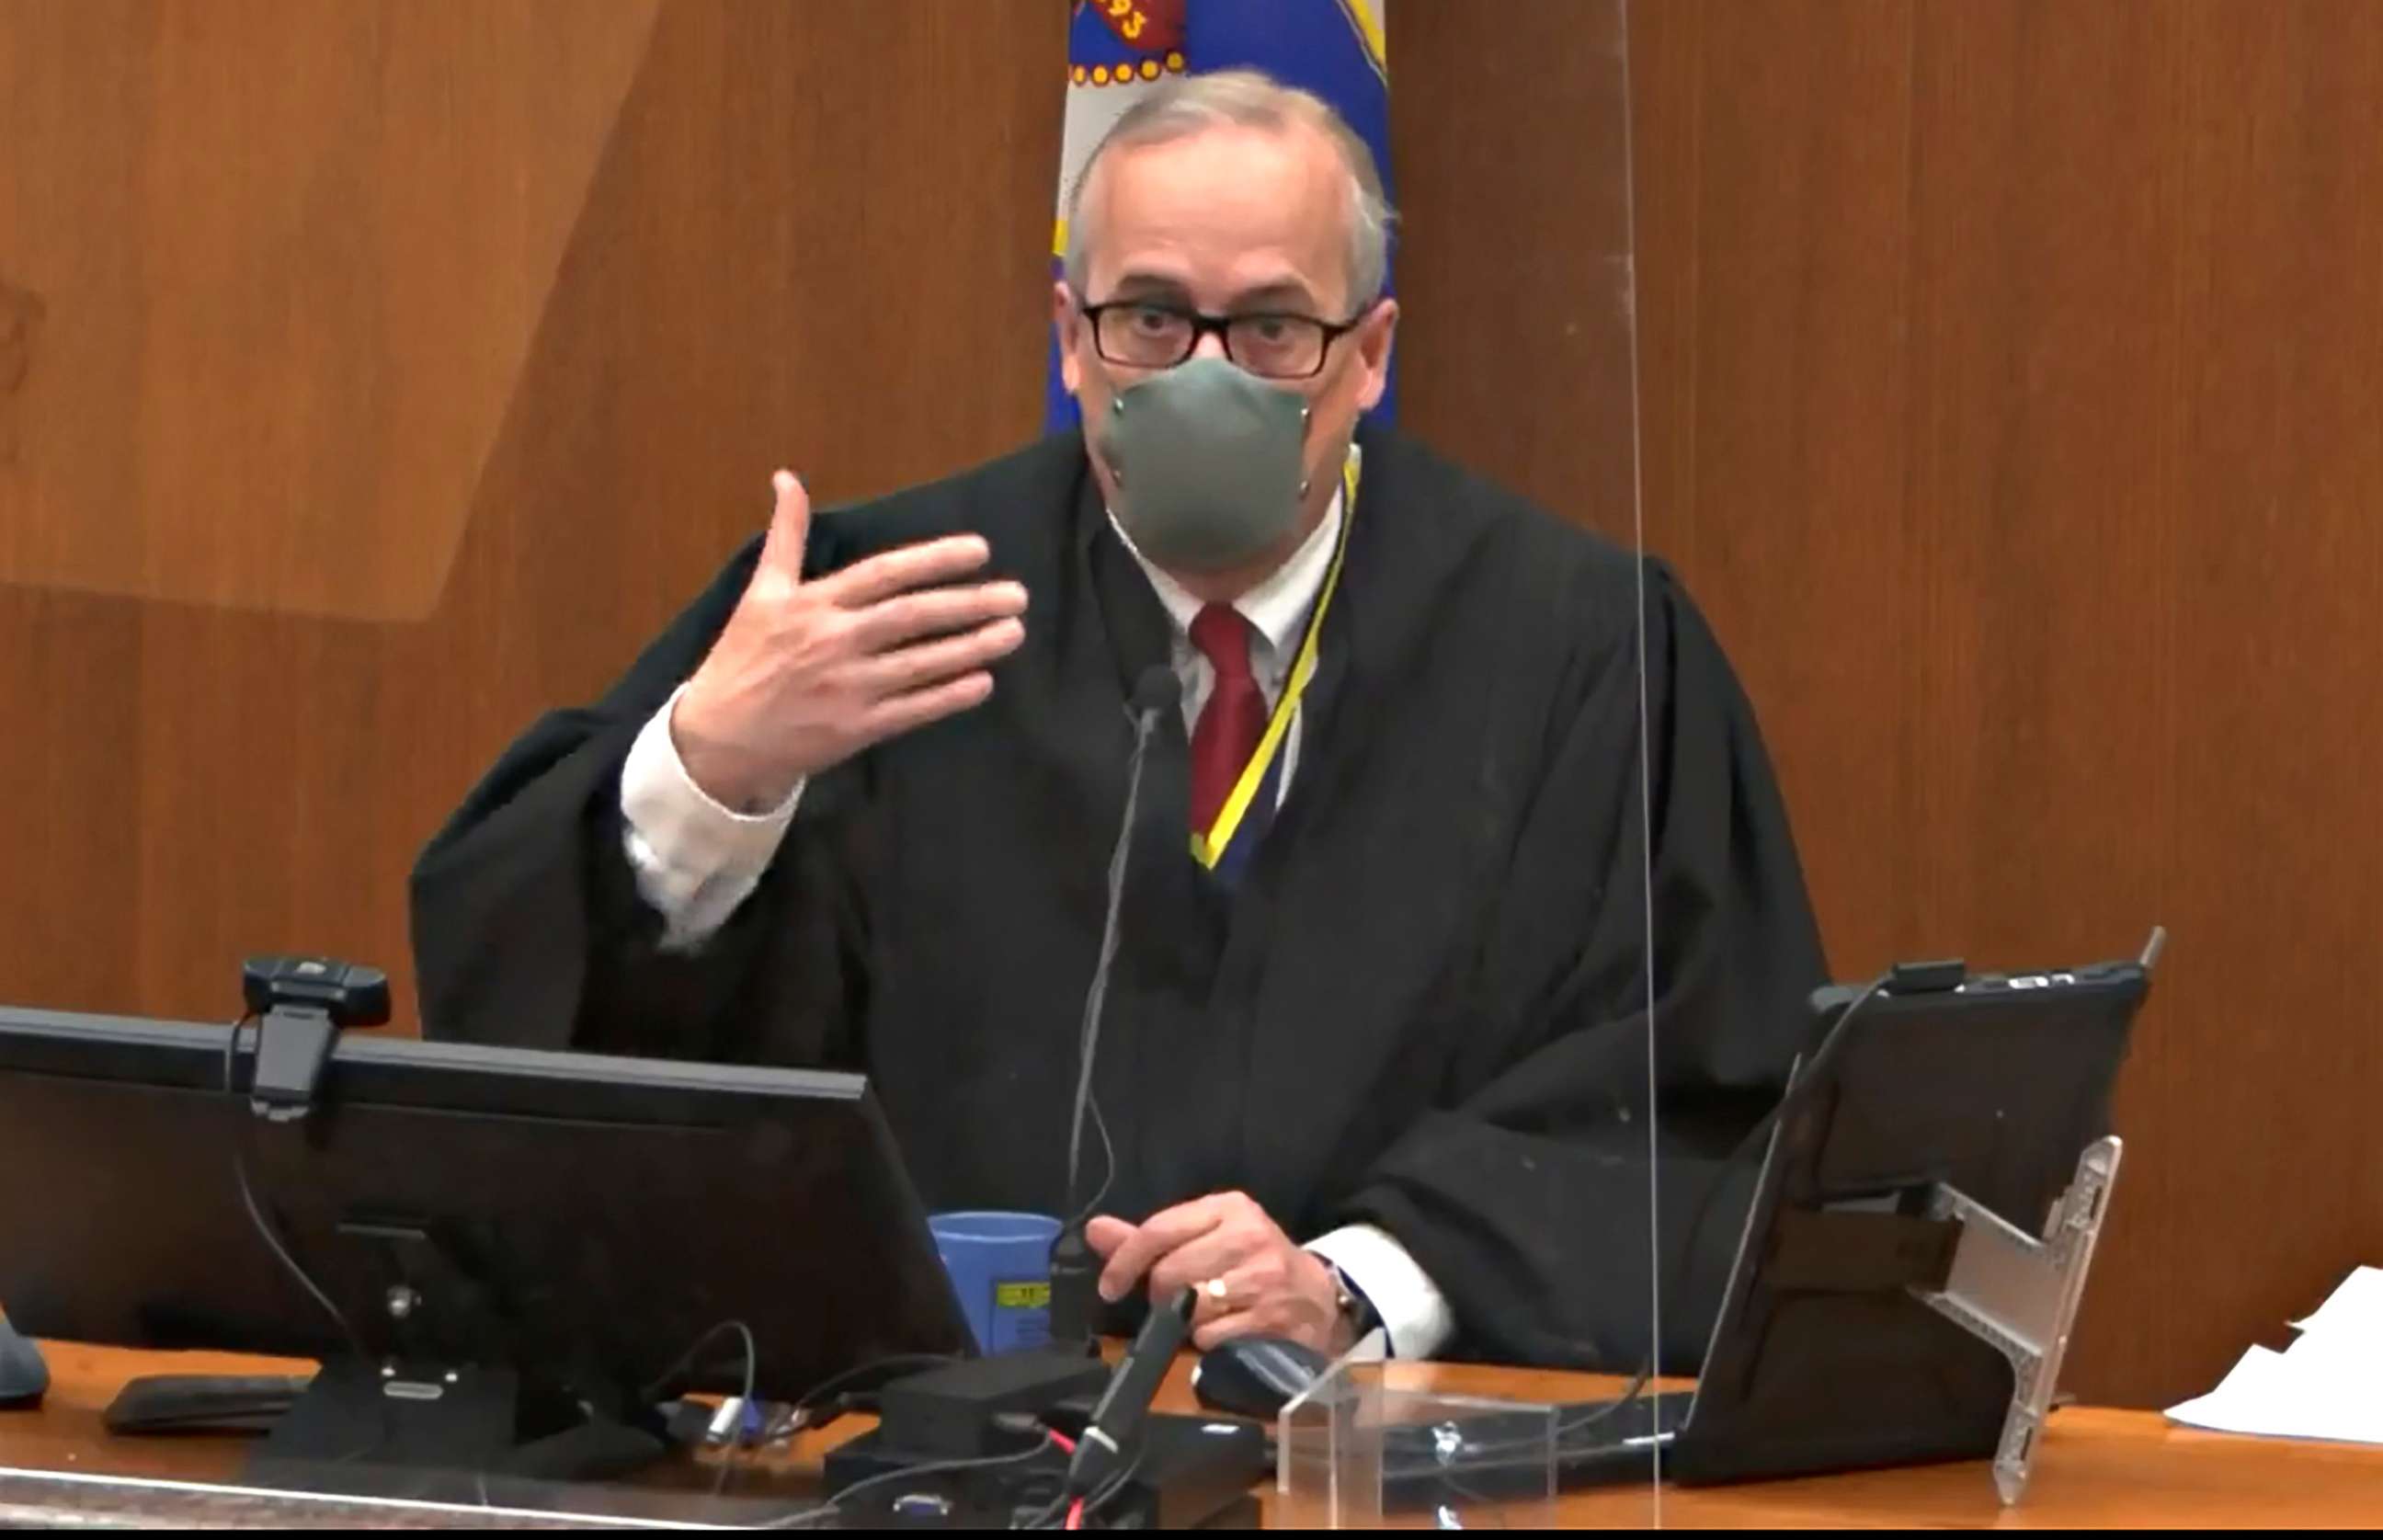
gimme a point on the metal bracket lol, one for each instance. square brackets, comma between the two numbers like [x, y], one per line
[293, 1043]
[2019, 1295]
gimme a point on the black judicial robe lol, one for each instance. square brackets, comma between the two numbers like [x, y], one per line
[1422, 1005]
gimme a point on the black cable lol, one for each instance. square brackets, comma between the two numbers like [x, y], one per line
[1108, 1490]
[743, 1410]
[242, 1131]
[270, 1232]
[1629, 1394]
[1755, 1138]
[686, 1361]
[1152, 693]
[814, 1395]
[829, 1508]
[264, 1226]
[1054, 1512]
[1108, 1166]
[1759, 1134]
[1051, 1513]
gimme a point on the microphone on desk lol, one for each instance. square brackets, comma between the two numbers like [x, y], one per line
[1075, 1271]
[1118, 1417]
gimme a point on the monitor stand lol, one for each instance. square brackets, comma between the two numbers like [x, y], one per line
[2012, 1291]
[2019, 1295]
[388, 1424]
[446, 1399]
[358, 1428]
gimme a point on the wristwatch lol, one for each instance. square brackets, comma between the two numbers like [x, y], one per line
[1355, 1309]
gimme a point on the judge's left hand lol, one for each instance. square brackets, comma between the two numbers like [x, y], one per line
[1270, 1287]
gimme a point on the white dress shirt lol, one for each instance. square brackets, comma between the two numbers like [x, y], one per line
[697, 861]
[1276, 610]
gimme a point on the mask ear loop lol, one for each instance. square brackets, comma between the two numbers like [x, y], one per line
[1305, 412]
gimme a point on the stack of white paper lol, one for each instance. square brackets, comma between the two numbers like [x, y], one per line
[2329, 1383]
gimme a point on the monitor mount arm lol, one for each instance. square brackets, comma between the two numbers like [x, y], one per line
[2019, 1295]
[2012, 1291]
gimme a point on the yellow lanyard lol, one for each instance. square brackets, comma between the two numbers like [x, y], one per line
[1209, 848]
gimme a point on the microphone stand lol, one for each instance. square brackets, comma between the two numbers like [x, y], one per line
[1075, 1271]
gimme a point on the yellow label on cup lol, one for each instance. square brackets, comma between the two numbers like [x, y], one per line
[1022, 1296]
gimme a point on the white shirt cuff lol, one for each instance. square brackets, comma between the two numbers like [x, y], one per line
[695, 861]
[1413, 1311]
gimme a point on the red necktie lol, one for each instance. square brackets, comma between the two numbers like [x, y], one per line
[1234, 718]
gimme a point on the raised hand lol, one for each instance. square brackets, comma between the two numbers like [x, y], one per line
[807, 674]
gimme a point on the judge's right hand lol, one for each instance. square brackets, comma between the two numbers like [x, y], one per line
[808, 673]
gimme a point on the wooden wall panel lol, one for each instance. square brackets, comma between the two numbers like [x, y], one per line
[800, 234]
[2007, 375]
[290, 259]
[1508, 143]
[2010, 372]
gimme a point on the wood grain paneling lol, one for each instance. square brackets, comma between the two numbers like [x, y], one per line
[797, 237]
[2008, 378]
[291, 259]
[1514, 256]
[2010, 372]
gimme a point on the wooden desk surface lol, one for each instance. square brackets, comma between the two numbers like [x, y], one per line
[2094, 1467]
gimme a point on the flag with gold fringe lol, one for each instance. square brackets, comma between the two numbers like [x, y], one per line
[1119, 50]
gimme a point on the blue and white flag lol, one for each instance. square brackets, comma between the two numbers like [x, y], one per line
[1119, 50]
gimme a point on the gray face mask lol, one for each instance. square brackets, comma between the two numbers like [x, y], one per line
[1208, 460]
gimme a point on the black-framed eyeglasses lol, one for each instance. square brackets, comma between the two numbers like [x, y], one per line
[1151, 334]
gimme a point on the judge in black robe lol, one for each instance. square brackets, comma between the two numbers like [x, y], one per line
[1421, 1007]
[1420, 1004]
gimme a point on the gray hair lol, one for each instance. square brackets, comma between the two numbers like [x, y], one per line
[1188, 104]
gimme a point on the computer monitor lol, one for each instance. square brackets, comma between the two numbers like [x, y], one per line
[1823, 1356]
[507, 1256]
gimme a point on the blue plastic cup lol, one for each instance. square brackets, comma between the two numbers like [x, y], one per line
[1000, 1266]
